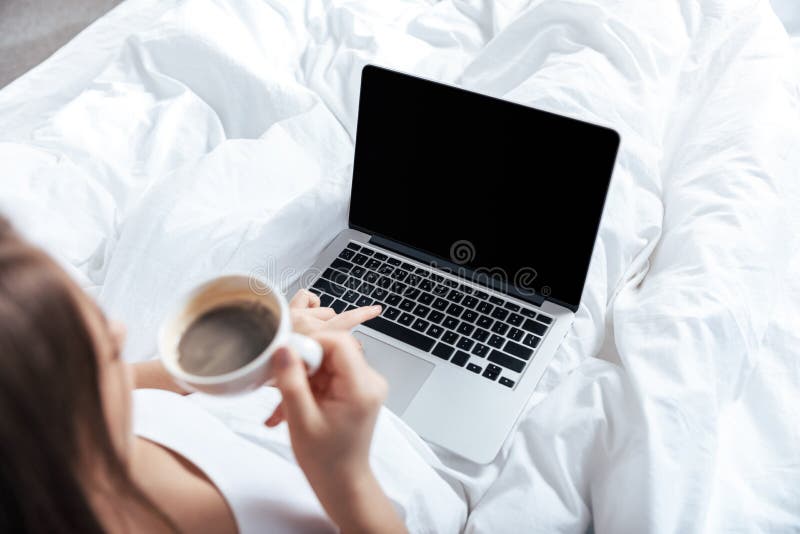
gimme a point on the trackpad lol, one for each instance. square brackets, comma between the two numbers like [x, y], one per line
[405, 372]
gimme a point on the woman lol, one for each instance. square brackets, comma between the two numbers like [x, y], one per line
[70, 461]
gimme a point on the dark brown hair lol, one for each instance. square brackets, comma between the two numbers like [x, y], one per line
[51, 414]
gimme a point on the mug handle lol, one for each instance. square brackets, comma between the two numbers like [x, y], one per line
[308, 349]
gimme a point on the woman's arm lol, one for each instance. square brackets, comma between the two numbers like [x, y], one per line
[153, 375]
[331, 417]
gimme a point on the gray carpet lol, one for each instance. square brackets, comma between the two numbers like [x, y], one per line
[31, 30]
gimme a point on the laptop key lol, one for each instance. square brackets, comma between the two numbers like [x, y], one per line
[371, 277]
[401, 333]
[358, 271]
[351, 296]
[437, 277]
[425, 298]
[516, 334]
[449, 282]
[528, 313]
[460, 358]
[455, 310]
[466, 289]
[408, 267]
[496, 300]
[384, 282]
[500, 313]
[443, 351]
[420, 325]
[421, 311]
[398, 287]
[506, 382]
[379, 294]
[426, 285]
[380, 256]
[372, 264]
[435, 331]
[544, 319]
[326, 286]
[515, 319]
[450, 337]
[325, 300]
[480, 350]
[342, 265]
[393, 299]
[485, 307]
[339, 306]
[391, 313]
[386, 269]
[531, 340]
[511, 306]
[499, 328]
[352, 283]
[480, 334]
[481, 295]
[366, 289]
[515, 349]
[470, 316]
[534, 327]
[455, 296]
[412, 293]
[465, 343]
[353, 246]
[367, 251]
[419, 271]
[470, 302]
[436, 317]
[465, 329]
[364, 301]
[359, 259]
[485, 322]
[440, 290]
[440, 304]
[496, 341]
[336, 277]
[406, 319]
[393, 261]
[450, 322]
[492, 372]
[509, 362]
[474, 368]
[399, 275]
[413, 280]
[407, 305]
[346, 254]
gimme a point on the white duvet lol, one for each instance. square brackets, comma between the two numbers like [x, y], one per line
[176, 140]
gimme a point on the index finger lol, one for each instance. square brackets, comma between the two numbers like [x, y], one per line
[350, 319]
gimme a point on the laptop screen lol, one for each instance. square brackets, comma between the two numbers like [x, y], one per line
[510, 195]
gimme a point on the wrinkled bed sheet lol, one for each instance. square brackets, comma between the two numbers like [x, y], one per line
[176, 140]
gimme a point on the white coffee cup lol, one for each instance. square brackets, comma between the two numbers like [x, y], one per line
[224, 291]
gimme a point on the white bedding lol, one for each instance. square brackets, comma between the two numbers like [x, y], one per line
[176, 140]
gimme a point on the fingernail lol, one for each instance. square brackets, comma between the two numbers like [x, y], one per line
[376, 307]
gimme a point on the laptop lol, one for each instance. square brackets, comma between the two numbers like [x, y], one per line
[472, 222]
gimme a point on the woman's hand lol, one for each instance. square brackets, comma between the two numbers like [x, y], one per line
[308, 317]
[331, 417]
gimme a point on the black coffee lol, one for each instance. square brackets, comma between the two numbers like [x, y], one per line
[226, 338]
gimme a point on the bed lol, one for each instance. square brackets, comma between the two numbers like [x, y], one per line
[174, 140]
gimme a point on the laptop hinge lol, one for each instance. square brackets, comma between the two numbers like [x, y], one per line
[490, 282]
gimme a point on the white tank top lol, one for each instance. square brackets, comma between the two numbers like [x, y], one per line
[254, 469]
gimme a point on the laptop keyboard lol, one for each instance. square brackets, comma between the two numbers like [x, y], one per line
[485, 334]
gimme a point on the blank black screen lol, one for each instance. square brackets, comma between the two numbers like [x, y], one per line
[436, 165]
